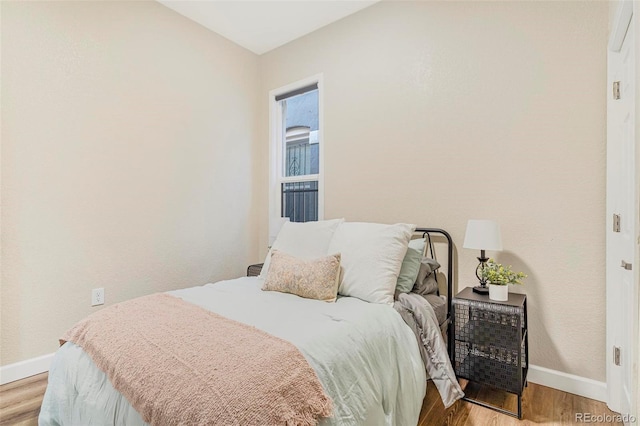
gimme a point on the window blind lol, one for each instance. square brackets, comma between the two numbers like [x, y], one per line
[297, 92]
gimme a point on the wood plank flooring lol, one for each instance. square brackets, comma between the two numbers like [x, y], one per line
[20, 405]
[20, 401]
[540, 405]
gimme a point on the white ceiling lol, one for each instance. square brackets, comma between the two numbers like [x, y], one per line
[263, 25]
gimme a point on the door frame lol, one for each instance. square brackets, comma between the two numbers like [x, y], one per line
[626, 12]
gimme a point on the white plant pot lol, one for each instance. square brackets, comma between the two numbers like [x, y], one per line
[499, 293]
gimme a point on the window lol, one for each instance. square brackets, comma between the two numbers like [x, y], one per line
[296, 153]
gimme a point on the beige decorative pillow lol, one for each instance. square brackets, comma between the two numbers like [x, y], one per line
[312, 279]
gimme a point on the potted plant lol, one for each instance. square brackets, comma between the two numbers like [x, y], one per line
[499, 277]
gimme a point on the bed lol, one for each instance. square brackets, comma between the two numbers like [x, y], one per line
[368, 361]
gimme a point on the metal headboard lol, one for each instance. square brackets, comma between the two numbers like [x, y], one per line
[430, 231]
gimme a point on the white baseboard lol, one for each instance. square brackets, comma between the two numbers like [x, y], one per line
[568, 383]
[27, 368]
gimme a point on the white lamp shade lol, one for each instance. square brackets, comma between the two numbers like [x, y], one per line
[483, 235]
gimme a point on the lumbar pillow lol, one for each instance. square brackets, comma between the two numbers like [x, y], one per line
[305, 240]
[372, 255]
[313, 279]
[410, 265]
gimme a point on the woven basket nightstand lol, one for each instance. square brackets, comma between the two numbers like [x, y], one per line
[491, 345]
[254, 270]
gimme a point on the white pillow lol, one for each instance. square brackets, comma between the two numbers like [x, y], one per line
[372, 255]
[304, 240]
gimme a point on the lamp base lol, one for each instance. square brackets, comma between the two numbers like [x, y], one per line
[481, 289]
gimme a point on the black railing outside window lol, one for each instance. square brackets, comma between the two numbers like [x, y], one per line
[300, 201]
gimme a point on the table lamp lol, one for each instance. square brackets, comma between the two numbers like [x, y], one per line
[482, 235]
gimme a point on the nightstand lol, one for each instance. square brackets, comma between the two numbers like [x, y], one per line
[491, 343]
[254, 270]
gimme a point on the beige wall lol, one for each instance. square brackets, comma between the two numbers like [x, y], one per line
[127, 135]
[438, 112]
[128, 153]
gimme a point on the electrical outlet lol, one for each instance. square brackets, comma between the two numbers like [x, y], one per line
[97, 296]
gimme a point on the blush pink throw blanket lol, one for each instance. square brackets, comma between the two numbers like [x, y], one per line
[177, 363]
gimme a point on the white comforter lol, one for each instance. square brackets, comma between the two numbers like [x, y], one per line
[366, 357]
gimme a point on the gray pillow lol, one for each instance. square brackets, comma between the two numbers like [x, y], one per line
[410, 266]
[426, 282]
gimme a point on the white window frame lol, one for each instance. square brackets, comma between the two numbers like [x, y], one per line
[276, 153]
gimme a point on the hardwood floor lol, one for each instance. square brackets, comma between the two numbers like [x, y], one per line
[20, 401]
[20, 405]
[540, 405]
